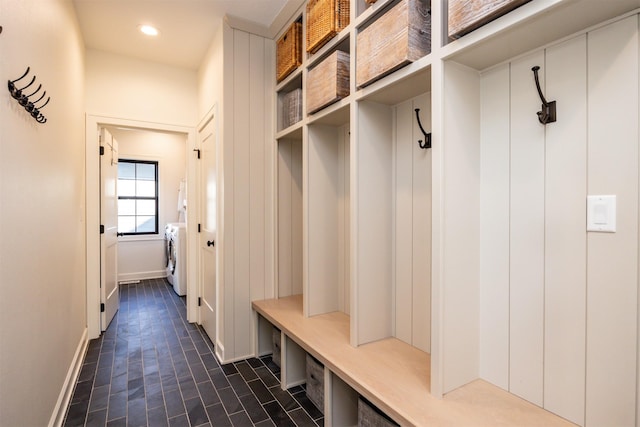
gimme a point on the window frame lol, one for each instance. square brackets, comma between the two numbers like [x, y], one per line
[135, 198]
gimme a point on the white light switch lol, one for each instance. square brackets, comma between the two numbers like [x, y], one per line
[601, 213]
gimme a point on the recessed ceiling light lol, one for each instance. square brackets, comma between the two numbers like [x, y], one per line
[149, 30]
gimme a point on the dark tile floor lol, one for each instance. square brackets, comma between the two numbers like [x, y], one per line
[153, 368]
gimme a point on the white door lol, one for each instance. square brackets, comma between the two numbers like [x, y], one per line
[109, 297]
[206, 135]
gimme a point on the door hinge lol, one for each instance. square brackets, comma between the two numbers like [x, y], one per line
[101, 229]
[101, 307]
[102, 150]
[199, 301]
[199, 228]
[197, 150]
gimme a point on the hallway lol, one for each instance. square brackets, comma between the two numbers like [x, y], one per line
[152, 368]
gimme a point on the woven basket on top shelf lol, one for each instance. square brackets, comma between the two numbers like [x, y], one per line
[325, 19]
[289, 51]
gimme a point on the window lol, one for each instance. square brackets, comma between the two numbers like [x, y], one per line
[137, 197]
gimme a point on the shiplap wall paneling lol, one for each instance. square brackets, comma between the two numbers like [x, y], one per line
[289, 217]
[403, 221]
[565, 239]
[527, 232]
[412, 225]
[494, 230]
[612, 280]
[322, 213]
[226, 249]
[421, 304]
[461, 225]
[242, 191]
[245, 238]
[344, 221]
[371, 157]
[257, 168]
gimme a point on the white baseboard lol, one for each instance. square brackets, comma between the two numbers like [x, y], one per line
[219, 351]
[221, 357]
[142, 275]
[57, 417]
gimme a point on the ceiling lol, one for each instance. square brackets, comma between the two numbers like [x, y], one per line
[186, 27]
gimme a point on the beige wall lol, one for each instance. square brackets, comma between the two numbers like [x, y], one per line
[42, 205]
[142, 257]
[122, 87]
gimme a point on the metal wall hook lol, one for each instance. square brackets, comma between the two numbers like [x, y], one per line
[427, 136]
[548, 112]
[31, 105]
[17, 93]
[23, 99]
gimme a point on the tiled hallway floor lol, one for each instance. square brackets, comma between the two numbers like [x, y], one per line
[152, 368]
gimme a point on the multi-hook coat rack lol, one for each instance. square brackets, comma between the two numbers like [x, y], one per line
[427, 136]
[24, 100]
[548, 112]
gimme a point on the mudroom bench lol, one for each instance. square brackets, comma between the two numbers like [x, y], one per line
[391, 375]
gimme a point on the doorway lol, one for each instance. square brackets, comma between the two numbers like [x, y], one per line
[92, 159]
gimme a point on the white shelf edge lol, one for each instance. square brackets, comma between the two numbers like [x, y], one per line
[291, 132]
[322, 116]
[423, 64]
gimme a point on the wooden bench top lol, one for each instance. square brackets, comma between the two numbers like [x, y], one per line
[396, 376]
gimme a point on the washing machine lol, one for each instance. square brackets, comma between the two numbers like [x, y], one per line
[176, 256]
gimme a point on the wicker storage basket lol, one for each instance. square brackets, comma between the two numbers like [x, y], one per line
[400, 36]
[289, 51]
[325, 19]
[315, 382]
[370, 416]
[328, 81]
[468, 15]
[291, 108]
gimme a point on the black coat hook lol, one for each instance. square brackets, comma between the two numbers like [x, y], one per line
[427, 136]
[23, 99]
[548, 112]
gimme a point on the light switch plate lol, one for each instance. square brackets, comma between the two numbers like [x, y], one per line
[601, 213]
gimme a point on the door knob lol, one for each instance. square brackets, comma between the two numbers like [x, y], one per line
[211, 243]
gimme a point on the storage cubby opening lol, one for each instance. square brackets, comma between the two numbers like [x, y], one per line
[393, 221]
[290, 107]
[264, 335]
[328, 219]
[294, 364]
[342, 402]
[289, 217]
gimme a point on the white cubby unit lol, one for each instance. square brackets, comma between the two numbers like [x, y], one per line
[458, 285]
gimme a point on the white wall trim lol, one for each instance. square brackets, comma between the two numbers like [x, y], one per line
[92, 168]
[142, 275]
[59, 411]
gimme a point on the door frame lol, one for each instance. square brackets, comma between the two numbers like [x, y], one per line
[92, 223]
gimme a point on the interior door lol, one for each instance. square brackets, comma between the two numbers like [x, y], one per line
[206, 135]
[109, 297]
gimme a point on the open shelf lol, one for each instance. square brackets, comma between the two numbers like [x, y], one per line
[531, 26]
[401, 85]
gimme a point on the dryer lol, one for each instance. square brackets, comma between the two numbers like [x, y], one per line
[176, 253]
